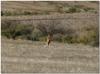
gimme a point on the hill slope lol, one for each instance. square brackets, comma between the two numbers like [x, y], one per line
[47, 7]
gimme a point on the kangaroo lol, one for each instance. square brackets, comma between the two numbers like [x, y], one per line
[49, 39]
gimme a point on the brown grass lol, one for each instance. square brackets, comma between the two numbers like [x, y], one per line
[27, 56]
[48, 7]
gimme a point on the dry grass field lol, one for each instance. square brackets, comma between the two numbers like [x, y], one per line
[47, 7]
[74, 27]
[33, 57]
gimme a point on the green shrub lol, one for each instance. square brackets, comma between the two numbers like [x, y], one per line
[67, 39]
[89, 37]
[88, 9]
[72, 9]
[43, 38]
[36, 34]
[12, 29]
[27, 13]
[57, 37]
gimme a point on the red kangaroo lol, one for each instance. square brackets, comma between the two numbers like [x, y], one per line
[49, 39]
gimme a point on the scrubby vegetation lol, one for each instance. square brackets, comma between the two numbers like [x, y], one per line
[61, 30]
[84, 30]
[72, 25]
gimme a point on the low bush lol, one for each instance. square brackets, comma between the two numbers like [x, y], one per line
[61, 33]
[12, 29]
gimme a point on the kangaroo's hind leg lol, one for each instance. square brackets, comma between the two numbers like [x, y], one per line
[49, 42]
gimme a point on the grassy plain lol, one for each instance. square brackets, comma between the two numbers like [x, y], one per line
[27, 56]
